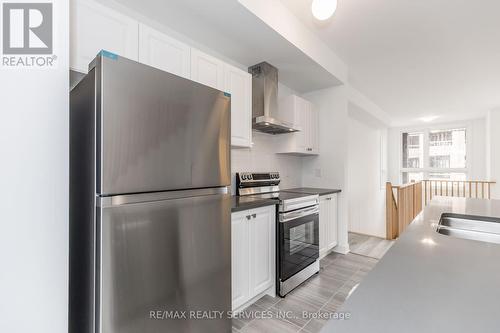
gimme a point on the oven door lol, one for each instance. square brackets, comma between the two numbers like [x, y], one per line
[298, 240]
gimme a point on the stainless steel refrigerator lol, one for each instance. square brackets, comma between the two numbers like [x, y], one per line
[149, 205]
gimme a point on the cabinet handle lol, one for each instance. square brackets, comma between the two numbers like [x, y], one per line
[249, 217]
[254, 215]
[309, 149]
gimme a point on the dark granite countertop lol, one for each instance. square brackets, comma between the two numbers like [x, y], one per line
[313, 190]
[243, 203]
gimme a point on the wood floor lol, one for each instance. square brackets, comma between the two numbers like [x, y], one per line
[322, 294]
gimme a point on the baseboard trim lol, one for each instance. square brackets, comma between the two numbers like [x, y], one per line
[270, 291]
[342, 249]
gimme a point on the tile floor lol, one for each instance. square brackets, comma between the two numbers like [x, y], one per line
[321, 294]
[368, 245]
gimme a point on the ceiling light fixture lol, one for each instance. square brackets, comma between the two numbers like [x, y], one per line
[323, 9]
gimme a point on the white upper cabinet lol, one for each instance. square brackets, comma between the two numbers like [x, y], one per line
[239, 84]
[163, 52]
[207, 70]
[215, 73]
[312, 124]
[94, 28]
[302, 114]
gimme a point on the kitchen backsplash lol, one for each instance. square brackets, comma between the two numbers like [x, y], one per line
[262, 157]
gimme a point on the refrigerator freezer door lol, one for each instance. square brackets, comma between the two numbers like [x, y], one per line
[163, 256]
[159, 131]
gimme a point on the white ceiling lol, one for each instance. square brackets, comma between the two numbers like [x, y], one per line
[228, 28]
[417, 58]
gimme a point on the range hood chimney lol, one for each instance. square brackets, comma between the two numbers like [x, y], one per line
[265, 100]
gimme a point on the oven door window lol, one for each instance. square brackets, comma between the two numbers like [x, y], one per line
[299, 244]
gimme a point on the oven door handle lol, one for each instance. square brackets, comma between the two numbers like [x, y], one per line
[290, 216]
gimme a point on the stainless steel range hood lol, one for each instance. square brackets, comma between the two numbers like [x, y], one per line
[265, 100]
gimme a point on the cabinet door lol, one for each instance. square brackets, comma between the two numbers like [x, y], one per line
[262, 249]
[314, 129]
[163, 52]
[323, 225]
[308, 127]
[239, 84]
[311, 128]
[240, 258]
[207, 70]
[300, 106]
[94, 28]
[306, 141]
[332, 221]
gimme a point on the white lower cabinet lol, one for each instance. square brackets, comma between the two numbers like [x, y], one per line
[252, 255]
[240, 258]
[327, 223]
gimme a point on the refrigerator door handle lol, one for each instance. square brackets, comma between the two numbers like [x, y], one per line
[118, 200]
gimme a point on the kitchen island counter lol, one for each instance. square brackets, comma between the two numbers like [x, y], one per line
[428, 282]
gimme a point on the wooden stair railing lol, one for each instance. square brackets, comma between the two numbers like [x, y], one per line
[479, 189]
[403, 204]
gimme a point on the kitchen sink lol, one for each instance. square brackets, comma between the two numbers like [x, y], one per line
[484, 229]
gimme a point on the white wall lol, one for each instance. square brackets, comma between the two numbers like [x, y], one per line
[262, 157]
[394, 155]
[370, 109]
[493, 151]
[477, 151]
[350, 158]
[329, 169]
[275, 14]
[170, 31]
[476, 147]
[366, 183]
[34, 196]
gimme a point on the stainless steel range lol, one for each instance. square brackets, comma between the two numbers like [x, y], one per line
[297, 227]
